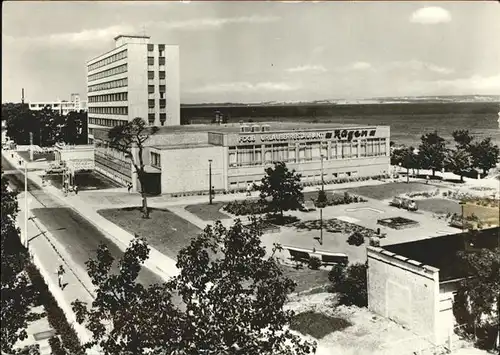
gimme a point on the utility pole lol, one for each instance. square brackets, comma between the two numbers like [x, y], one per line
[31, 146]
[22, 96]
[210, 181]
[321, 207]
[26, 204]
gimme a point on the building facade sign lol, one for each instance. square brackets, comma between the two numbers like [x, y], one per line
[338, 134]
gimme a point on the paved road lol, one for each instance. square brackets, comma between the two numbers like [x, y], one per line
[79, 236]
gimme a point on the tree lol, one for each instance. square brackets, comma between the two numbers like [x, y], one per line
[120, 316]
[19, 121]
[17, 295]
[458, 161]
[480, 290]
[351, 284]
[462, 139]
[432, 151]
[232, 300]
[283, 186]
[129, 138]
[484, 155]
[74, 130]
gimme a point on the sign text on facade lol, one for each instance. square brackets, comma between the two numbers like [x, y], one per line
[338, 134]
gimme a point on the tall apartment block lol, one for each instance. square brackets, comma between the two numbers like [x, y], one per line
[135, 79]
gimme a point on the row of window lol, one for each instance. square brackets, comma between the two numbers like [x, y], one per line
[304, 152]
[151, 75]
[155, 160]
[151, 47]
[152, 117]
[109, 85]
[107, 122]
[104, 74]
[151, 103]
[114, 110]
[108, 60]
[151, 89]
[121, 96]
[151, 60]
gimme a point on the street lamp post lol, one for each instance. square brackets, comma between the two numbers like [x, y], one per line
[462, 203]
[321, 207]
[210, 181]
[26, 204]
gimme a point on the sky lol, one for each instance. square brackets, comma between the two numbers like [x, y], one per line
[262, 51]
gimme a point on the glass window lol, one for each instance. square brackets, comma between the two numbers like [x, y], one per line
[151, 74]
[162, 88]
[151, 60]
[151, 103]
[163, 103]
[162, 75]
[151, 47]
[151, 89]
[161, 60]
[161, 47]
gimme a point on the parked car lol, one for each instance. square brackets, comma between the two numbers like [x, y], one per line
[307, 206]
[406, 203]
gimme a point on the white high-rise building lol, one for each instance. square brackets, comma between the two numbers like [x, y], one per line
[135, 79]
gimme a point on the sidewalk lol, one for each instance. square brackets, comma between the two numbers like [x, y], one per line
[47, 257]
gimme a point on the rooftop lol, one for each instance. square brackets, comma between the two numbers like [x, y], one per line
[131, 36]
[235, 127]
[441, 252]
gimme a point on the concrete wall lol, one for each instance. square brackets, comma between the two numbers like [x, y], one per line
[405, 291]
[172, 82]
[137, 81]
[185, 170]
[178, 138]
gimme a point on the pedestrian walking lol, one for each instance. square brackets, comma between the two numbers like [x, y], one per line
[427, 179]
[76, 189]
[60, 273]
[249, 190]
[129, 187]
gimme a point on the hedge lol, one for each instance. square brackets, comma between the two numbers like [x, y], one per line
[55, 315]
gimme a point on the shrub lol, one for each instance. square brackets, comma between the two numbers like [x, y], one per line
[374, 242]
[314, 263]
[56, 346]
[245, 207]
[337, 275]
[356, 239]
[317, 325]
[353, 288]
[55, 315]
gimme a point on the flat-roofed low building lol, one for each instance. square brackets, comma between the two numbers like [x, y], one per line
[415, 283]
[179, 155]
[62, 106]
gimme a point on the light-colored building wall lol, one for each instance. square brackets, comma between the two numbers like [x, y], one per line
[187, 170]
[137, 81]
[405, 291]
[172, 82]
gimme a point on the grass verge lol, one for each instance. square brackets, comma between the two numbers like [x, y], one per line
[317, 325]
[164, 230]
[208, 212]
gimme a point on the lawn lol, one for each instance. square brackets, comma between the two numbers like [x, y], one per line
[208, 212]
[439, 206]
[390, 190]
[317, 324]
[164, 230]
[306, 278]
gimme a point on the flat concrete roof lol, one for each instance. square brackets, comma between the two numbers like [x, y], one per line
[182, 146]
[441, 252]
[235, 127]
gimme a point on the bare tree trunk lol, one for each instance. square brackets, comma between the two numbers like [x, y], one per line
[145, 210]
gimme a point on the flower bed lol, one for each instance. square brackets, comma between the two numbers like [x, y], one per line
[245, 207]
[336, 226]
[344, 199]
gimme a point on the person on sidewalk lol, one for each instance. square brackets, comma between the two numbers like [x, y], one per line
[76, 189]
[129, 187]
[249, 190]
[60, 273]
